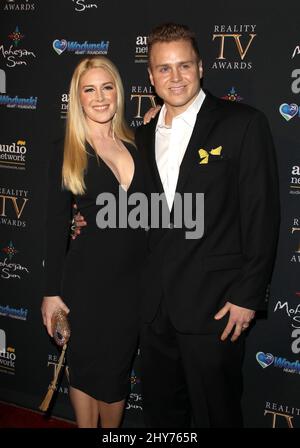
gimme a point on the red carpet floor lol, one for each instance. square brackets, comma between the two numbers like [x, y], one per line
[12, 416]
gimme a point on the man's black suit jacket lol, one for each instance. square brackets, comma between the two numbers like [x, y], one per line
[233, 260]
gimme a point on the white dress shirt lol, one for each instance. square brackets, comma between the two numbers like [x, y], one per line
[171, 143]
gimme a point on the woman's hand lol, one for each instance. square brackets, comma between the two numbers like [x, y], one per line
[49, 305]
[77, 223]
[151, 113]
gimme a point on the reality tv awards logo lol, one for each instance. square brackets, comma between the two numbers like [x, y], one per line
[53, 361]
[13, 207]
[142, 98]
[234, 44]
[280, 415]
[18, 5]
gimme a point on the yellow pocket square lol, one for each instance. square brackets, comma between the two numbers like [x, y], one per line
[204, 155]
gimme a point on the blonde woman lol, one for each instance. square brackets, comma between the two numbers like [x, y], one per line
[96, 280]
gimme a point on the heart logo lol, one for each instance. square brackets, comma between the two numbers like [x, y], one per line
[59, 45]
[288, 111]
[264, 359]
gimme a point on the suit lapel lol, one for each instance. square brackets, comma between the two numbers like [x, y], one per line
[205, 121]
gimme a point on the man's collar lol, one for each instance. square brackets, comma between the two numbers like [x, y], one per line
[189, 115]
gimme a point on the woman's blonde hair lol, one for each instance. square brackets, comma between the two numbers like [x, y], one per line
[75, 155]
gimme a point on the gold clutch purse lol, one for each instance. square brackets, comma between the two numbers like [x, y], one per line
[61, 334]
[60, 327]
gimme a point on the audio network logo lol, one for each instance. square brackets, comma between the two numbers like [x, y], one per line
[234, 43]
[64, 105]
[7, 356]
[141, 49]
[295, 180]
[13, 155]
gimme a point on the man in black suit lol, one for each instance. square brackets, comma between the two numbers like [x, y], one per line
[201, 294]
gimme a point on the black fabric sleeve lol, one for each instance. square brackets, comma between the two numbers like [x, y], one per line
[260, 214]
[58, 216]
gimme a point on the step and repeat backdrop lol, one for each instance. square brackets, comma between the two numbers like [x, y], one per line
[251, 54]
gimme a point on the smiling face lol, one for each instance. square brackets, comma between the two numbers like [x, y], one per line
[175, 72]
[98, 95]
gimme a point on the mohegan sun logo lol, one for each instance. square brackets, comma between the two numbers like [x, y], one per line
[16, 36]
[9, 269]
[85, 5]
[232, 95]
[134, 380]
[10, 251]
[15, 55]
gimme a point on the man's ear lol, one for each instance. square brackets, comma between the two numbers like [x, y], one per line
[200, 69]
[150, 76]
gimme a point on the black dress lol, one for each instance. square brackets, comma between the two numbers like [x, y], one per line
[98, 279]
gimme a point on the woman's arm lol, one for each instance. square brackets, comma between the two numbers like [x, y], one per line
[58, 215]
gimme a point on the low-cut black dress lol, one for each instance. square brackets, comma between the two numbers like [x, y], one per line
[97, 276]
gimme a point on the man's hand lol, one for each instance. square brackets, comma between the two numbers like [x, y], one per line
[151, 113]
[238, 317]
[49, 306]
[77, 223]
